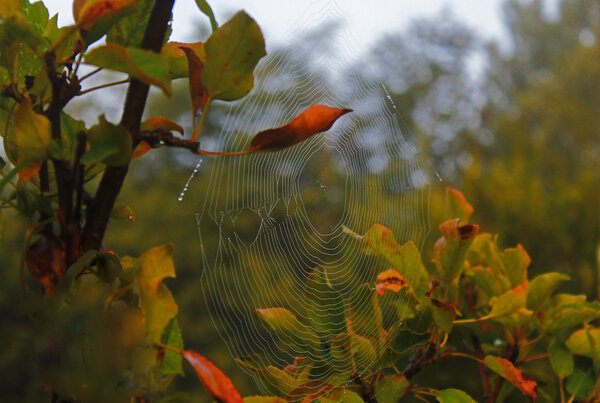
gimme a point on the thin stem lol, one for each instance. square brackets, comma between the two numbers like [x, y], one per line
[125, 81]
[535, 358]
[224, 153]
[77, 64]
[472, 320]
[88, 75]
[456, 354]
[167, 347]
[562, 390]
[198, 128]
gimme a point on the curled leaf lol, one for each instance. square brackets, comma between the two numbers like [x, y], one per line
[86, 11]
[161, 123]
[198, 94]
[508, 371]
[315, 119]
[449, 251]
[214, 380]
[389, 280]
[178, 62]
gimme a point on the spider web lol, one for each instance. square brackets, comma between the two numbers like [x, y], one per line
[269, 219]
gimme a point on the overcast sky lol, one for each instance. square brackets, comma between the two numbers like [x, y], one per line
[366, 20]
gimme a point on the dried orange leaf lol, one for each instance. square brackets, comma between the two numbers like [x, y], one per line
[198, 93]
[389, 280]
[214, 380]
[86, 11]
[45, 260]
[141, 149]
[315, 119]
[30, 171]
[161, 123]
[508, 371]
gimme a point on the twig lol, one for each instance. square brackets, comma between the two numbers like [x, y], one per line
[88, 75]
[101, 206]
[125, 81]
[485, 380]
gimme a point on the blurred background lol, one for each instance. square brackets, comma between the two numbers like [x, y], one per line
[500, 98]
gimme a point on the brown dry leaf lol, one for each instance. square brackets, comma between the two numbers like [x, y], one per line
[214, 380]
[315, 119]
[508, 371]
[389, 280]
[45, 260]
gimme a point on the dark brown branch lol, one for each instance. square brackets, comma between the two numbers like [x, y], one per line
[158, 138]
[420, 359]
[101, 206]
[488, 396]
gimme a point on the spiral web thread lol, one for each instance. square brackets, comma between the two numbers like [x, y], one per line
[269, 219]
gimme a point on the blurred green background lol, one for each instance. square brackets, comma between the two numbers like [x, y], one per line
[521, 140]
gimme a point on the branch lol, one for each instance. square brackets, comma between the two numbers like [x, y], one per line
[158, 138]
[101, 206]
[488, 396]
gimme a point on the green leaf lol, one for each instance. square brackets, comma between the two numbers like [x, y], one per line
[108, 144]
[325, 308]
[264, 399]
[145, 65]
[276, 380]
[341, 353]
[580, 383]
[406, 259]
[509, 302]
[571, 315]
[205, 8]
[363, 352]
[449, 250]
[109, 266]
[391, 388]
[454, 396]
[129, 30]
[486, 279]
[541, 288]
[444, 314]
[232, 52]
[59, 149]
[97, 17]
[70, 127]
[156, 301]
[340, 395]
[457, 206]
[84, 261]
[122, 211]
[585, 342]
[516, 260]
[363, 314]
[561, 359]
[32, 133]
[172, 361]
[291, 331]
[6, 178]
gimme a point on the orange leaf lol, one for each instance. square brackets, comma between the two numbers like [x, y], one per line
[214, 380]
[315, 119]
[177, 58]
[389, 280]
[30, 171]
[198, 93]
[85, 11]
[161, 123]
[141, 149]
[507, 370]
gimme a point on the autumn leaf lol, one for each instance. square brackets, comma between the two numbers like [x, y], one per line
[86, 11]
[198, 93]
[32, 133]
[508, 371]
[144, 65]
[30, 171]
[315, 119]
[389, 280]
[45, 260]
[140, 149]
[214, 380]
[449, 250]
[160, 123]
[178, 61]
[457, 205]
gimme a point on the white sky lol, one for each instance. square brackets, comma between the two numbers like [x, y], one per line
[367, 19]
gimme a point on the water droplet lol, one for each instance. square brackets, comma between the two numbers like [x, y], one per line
[131, 217]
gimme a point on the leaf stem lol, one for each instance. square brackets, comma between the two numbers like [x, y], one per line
[88, 75]
[224, 153]
[167, 347]
[125, 81]
[472, 320]
[28, 236]
[198, 128]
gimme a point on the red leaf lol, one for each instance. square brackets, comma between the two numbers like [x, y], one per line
[315, 119]
[198, 93]
[389, 280]
[141, 149]
[161, 123]
[214, 380]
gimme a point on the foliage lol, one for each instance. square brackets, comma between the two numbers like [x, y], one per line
[476, 304]
[95, 305]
